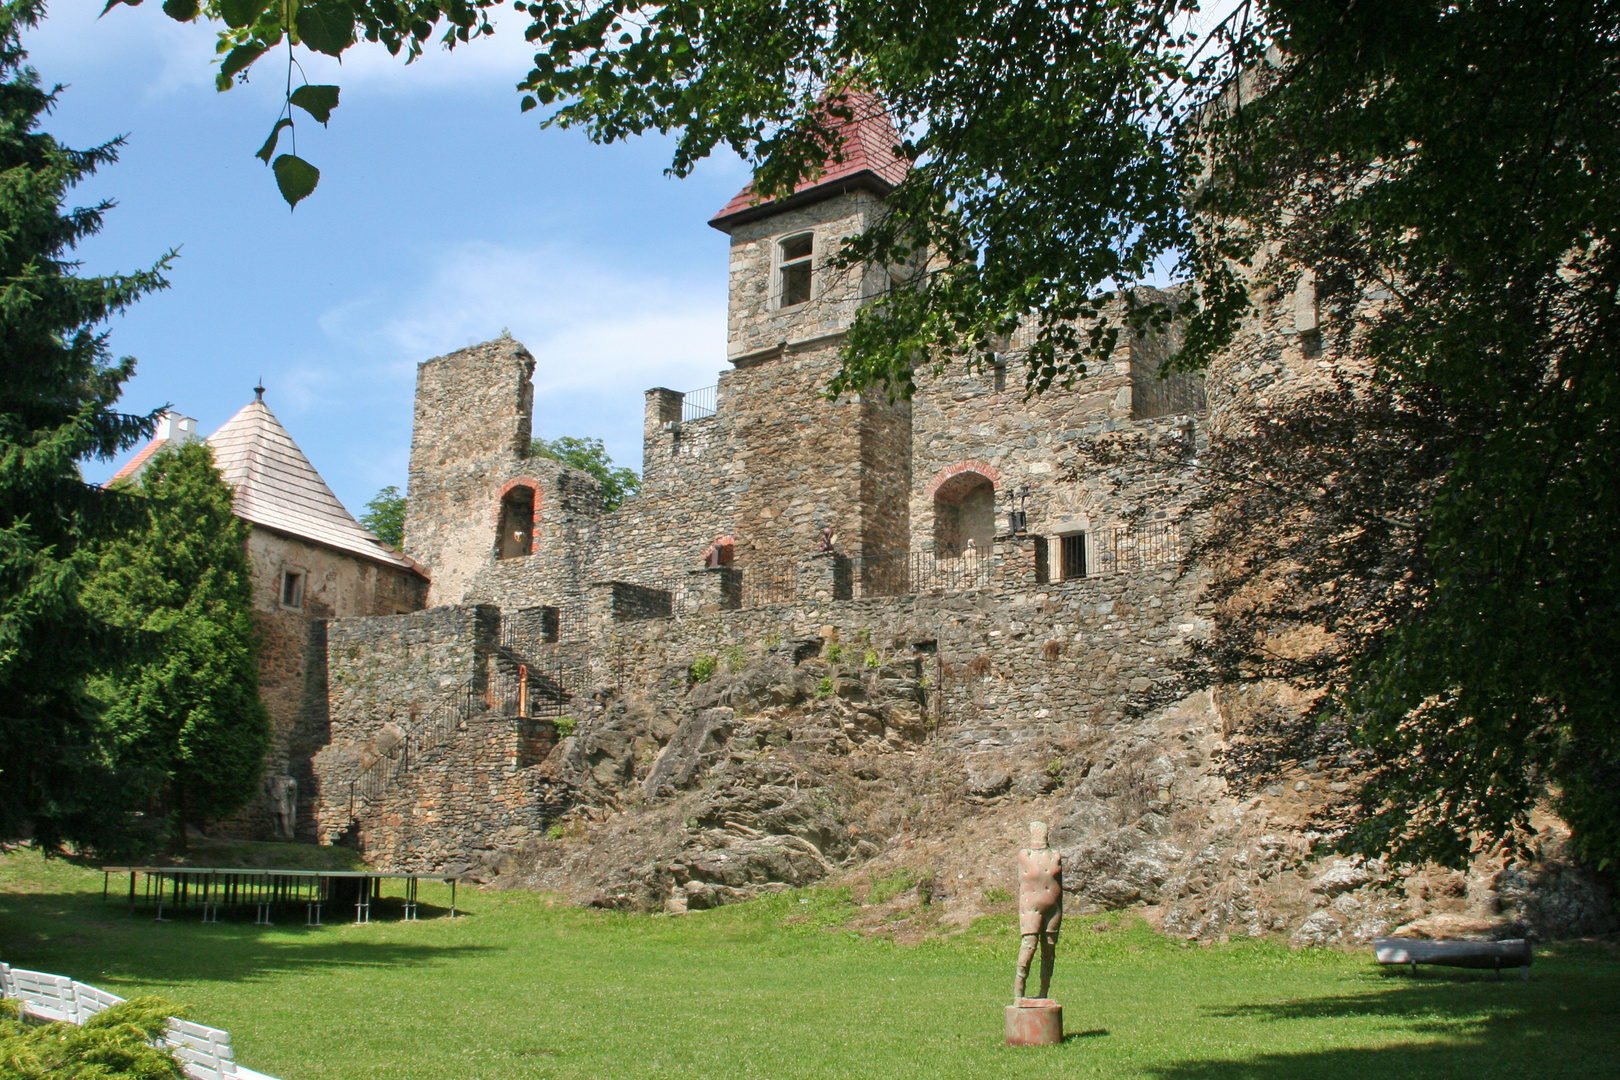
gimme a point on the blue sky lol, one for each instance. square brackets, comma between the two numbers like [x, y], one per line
[443, 216]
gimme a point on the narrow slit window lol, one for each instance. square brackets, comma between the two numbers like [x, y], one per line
[292, 589]
[1074, 556]
[795, 269]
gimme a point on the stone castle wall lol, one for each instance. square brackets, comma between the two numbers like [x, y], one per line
[292, 656]
[485, 789]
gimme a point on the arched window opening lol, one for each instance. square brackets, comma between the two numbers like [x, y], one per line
[964, 515]
[795, 266]
[517, 524]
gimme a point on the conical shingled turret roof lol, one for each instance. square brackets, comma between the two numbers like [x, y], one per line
[278, 488]
[870, 163]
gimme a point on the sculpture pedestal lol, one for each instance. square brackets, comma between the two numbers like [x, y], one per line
[1034, 1022]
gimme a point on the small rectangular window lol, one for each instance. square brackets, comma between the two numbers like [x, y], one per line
[292, 589]
[796, 264]
[1074, 556]
[795, 284]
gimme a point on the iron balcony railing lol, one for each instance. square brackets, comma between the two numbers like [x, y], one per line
[696, 404]
[907, 572]
[1146, 546]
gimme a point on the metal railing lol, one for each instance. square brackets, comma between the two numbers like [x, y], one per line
[1146, 546]
[921, 571]
[763, 586]
[696, 404]
[530, 678]
[448, 717]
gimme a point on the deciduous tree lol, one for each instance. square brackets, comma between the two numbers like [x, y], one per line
[385, 516]
[590, 456]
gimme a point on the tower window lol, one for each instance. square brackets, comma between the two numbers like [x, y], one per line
[795, 268]
[517, 524]
[292, 589]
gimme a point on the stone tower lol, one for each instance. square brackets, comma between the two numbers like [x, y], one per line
[812, 461]
[470, 436]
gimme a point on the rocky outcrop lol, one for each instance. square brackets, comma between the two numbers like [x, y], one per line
[790, 770]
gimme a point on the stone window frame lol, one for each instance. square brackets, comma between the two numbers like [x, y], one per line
[779, 265]
[500, 513]
[298, 577]
[1088, 544]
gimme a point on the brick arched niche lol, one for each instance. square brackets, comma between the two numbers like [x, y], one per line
[964, 498]
[722, 552]
[517, 517]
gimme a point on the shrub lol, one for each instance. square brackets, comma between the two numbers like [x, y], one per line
[114, 1045]
[735, 658]
[824, 688]
[565, 726]
[835, 653]
[873, 659]
[702, 669]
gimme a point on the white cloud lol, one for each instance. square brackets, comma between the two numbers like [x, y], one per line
[590, 327]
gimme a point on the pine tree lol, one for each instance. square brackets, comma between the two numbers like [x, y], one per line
[184, 704]
[58, 386]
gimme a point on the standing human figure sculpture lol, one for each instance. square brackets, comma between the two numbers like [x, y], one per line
[284, 804]
[1040, 907]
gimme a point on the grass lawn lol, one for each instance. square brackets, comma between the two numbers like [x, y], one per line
[523, 987]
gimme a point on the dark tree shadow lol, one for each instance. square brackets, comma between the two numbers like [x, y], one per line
[103, 943]
[1564, 1023]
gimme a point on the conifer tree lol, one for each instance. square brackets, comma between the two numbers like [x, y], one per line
[58, 386]
[183, 705]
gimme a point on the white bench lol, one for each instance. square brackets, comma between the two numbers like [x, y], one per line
[43, 996]
[204, 1053]
[1490, 955]
[92, 1000]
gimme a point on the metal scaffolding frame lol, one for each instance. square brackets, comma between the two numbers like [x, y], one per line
[211, 888]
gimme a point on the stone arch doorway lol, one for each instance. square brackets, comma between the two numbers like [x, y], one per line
[964, 511]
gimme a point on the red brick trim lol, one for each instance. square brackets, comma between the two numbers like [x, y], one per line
[506, 488]
[721, 541]
[989, 472]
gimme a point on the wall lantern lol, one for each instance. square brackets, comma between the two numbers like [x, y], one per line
[1017, 517]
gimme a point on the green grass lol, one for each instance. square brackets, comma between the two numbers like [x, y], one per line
[525, 987]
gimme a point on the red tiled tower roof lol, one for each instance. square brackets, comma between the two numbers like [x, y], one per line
[869, 164]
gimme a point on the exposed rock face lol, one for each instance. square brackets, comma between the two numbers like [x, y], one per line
[785, 773]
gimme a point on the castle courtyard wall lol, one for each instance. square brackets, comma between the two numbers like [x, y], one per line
[292, 656]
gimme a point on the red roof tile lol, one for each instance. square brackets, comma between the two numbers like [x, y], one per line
[869, 139]
[135, 464]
